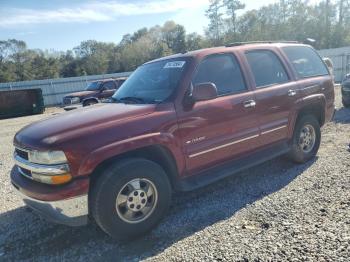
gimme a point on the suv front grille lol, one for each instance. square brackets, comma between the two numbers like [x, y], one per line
[25, 172]
[22, 154]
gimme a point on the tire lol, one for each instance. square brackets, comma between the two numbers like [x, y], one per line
[300, 152]
[114, 182]
[89, 103]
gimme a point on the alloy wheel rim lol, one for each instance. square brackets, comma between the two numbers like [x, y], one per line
[307, 138]
[136, 200]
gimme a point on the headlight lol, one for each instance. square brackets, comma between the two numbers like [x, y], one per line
[347, 89]
[47, 157]
[75, 100]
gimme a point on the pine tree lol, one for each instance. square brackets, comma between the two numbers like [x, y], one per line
[232, 6]
[215, 28]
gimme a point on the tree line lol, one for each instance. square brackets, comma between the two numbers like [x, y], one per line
[328, 23]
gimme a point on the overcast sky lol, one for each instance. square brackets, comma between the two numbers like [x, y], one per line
[63, 24]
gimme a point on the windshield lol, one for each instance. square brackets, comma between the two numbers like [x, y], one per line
[93, 86]
[152, 83]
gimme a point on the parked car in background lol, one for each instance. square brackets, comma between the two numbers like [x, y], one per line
[345, 91]
[94, 93]
[178, 123]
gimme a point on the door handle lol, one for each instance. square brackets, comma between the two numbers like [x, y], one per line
[249, 103]
[292, 92]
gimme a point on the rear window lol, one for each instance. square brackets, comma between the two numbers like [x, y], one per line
[305, 61]
[266, 68]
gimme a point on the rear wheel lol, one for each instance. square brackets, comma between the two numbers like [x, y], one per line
[130, 198]
[306, 139]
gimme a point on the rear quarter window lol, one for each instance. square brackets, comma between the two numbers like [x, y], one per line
[305, 61]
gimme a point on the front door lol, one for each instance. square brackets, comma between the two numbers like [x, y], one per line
[222, 128]
[108, 89]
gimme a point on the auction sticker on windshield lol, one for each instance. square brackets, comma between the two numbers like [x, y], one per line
[175, 64]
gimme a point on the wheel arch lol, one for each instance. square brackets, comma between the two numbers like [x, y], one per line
[315, 109]
[313, 105]
[155, 153]
[89, 99]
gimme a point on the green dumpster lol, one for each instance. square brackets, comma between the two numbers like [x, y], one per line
[21, 103]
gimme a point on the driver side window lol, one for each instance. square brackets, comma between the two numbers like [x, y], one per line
[222, 70]
[108, 86]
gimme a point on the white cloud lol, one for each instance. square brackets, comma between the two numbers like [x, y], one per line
[95, 12]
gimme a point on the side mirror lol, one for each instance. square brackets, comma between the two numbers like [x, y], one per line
[204, 91]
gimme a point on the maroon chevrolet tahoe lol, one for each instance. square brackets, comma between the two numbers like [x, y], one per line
[178, 123]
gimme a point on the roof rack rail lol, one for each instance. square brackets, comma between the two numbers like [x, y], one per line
[260, 42]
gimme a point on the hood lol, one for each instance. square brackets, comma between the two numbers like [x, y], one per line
[69, 125]
[82, 94]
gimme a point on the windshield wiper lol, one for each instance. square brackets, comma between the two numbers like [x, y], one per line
[132, 99]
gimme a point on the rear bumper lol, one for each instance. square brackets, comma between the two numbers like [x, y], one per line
[67, 204]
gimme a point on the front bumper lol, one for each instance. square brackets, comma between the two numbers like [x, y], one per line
[71, 212]
[72, 107]
[66, 205]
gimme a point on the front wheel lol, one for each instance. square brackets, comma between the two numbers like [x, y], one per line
[89, 103]
[130, 198]
[306, 139]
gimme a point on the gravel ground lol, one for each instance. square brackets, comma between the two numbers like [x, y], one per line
[274, 212]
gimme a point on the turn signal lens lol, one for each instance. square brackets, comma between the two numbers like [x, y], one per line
[52, 180]
[62, 179]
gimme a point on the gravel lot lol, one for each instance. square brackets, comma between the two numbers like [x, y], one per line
[276, 211]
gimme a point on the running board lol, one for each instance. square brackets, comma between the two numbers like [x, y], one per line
[230, 168]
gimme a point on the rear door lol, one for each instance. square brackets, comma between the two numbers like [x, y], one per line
[223, 128]
[275, 93]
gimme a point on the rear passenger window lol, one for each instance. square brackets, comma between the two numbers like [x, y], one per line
[222, 70]
[109, 85]
[305, 61]
[266, 68]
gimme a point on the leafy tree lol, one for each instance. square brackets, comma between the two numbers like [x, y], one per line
[195, 41]
[138, 34]
[94, 56]
[174, 36]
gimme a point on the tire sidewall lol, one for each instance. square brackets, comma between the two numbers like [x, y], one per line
[89, 103]
[297, 153]
[113, 180]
